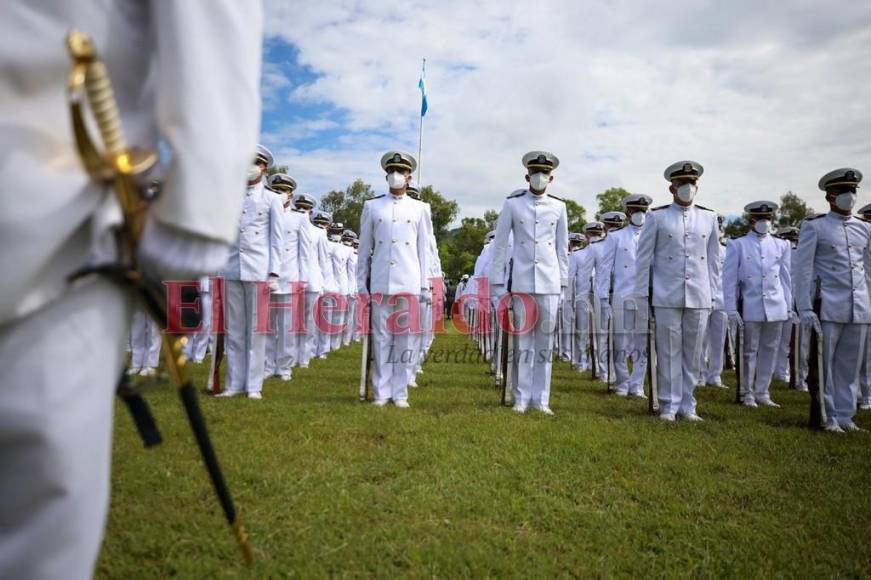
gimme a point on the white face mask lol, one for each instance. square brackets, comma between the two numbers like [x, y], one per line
[539, 181]
[845, 201]
[637, 219]
[762, 226]
[254, 172]
[687, 192]
[395, 180]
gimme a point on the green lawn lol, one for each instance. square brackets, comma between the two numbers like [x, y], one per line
[457, 486]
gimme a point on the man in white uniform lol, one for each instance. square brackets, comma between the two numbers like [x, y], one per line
[340, 255]
[782, 370]
[348, 239]
[714, 348]
[313, 262]
[251, 273]
[836, 247]
[757, 272]
[324, 307]
[581, 273]
[679, 253]
[286, 303]
[612, 221]
[392, 271]
[539, 271]
[864, 214]
[56, 428]
[615, 288]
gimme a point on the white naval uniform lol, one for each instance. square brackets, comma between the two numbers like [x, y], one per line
[615, 281]
[339, 256]
[288, 302]
[423, 340]
[145, 341]
[757, 269]
[254, 258]
[714, 349]
[394, 231]
[324, 313]
[539, 272]
[581, 276]
[598, 251]
[837, 249]
[313, 261]
[350, 332]
[679, 249]
[782, 370]
[56, 430]
[199, 341]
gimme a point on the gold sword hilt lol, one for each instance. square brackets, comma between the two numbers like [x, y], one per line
[118, 162]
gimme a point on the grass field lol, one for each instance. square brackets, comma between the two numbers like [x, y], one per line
[457, 486]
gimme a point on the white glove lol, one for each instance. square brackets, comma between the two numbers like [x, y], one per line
[735, 318]
[809, 318]
[605, 307]
[273, 284]
[793, 317]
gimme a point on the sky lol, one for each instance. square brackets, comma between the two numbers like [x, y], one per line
[768, 96]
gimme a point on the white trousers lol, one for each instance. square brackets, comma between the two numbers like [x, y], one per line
[680, 333]
[282, 344]
[566, 311]
[761, 341]
[144, 341]
[199, 341]
[582, 336]
[601, 338]
[714, 347]
[843, 347]
[781, 363]
[245, 348]
[309, 342]
[533, 349]
[56, 431]
[351, 320]
[393, 350]
[329, 316]
[340, 319]
[630, 342]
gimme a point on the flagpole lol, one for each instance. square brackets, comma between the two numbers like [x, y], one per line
[420, 138]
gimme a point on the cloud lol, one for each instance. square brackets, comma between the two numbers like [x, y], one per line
[768, 96]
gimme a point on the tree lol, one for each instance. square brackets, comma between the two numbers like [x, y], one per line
[346, 206]
[491, 216]
[444, 211]
[793, 210]
[737, 227]
[610, 200]
[276, 169]
[577, 216]
[459, 252]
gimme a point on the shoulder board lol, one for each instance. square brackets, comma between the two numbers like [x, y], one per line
[555, 197]
[814, 217]
[376, 197]
[704, 208]
[660, 207]
[518, 194]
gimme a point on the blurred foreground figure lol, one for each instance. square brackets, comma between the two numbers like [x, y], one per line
[192, 81]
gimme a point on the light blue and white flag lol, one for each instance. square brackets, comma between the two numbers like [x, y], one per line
[421, 84]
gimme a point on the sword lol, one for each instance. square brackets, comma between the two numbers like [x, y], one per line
[123, 166]
[367, 354]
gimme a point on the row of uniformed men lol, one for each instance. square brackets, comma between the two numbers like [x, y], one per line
[301, 255]
[701, 285]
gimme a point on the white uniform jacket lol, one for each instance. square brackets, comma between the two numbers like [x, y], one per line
[838, 250]
[615, 264]
[257, 252]
[680, 248]
[394, 230]
[757, 268]
[53, 230]
[292, 224]
[541, 244]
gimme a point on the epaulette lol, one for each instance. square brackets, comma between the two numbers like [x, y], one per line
[814, 217]
[704, 208]
[660, 207]
[555, 197]
[376, 197]
[517, 194]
